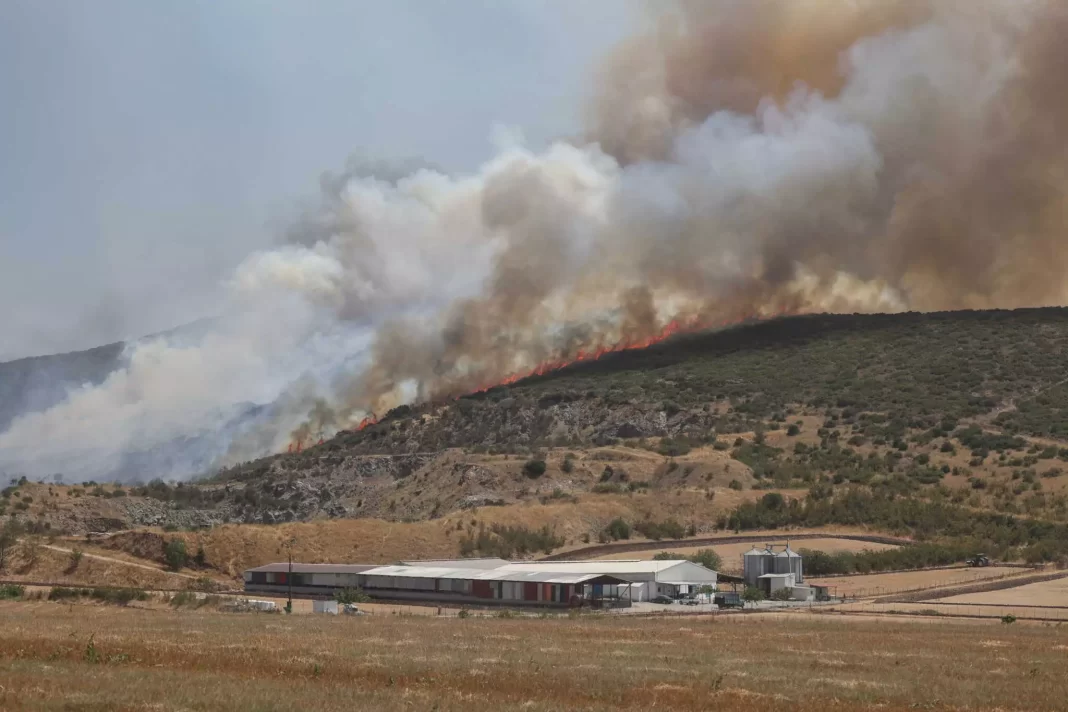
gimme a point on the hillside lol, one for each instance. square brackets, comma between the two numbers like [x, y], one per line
[29, 385]
[964, 409]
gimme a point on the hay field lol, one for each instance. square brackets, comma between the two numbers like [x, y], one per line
[882, 584]
[85, 657]
[1044, 593]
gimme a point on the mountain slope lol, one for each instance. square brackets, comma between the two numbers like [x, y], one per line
[966, 407]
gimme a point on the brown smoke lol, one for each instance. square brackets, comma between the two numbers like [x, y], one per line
[748, 158]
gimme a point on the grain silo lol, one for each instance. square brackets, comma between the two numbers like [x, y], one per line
[755, 563]
[795, 564]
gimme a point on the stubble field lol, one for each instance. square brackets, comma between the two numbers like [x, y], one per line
[86, 657]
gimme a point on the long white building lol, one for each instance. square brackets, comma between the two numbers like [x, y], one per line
[491, 581]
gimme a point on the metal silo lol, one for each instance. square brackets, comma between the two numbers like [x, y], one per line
[781, 563]
[754, 565]
[795, 564]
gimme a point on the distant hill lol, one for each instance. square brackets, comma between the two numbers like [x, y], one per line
[37, 383]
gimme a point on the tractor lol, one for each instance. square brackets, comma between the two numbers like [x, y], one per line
[978, 560]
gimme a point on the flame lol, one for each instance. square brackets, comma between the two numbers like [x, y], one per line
[370, 420]
[673, 328]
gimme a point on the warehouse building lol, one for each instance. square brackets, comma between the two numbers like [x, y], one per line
[491, 581]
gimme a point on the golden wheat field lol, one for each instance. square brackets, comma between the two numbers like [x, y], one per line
[90, 657]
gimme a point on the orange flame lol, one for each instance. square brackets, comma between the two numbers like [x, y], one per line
[672, 328]
[370, 420]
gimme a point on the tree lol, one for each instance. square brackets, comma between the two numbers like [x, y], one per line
[773, 501]
[752, 594]
[200, 559]
[534, 468]
[707, 558]
[175, 554]
[75, 558]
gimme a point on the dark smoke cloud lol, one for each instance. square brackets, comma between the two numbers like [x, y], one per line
[744, 158]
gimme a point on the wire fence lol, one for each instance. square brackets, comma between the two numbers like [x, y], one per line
[958, 610]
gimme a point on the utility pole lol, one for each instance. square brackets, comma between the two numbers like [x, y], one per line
[289, 578]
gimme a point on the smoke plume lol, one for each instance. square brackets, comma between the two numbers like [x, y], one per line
[743, 158]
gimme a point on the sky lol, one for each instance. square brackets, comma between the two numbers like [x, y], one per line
[146, 146]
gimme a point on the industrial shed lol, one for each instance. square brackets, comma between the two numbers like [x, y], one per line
[491, 581]
[648, 579]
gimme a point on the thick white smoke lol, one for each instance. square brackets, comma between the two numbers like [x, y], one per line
[741, 162]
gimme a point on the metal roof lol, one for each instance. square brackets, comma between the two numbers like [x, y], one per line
[499, 574]
[617, 567]
[489, 563]
[283, 567]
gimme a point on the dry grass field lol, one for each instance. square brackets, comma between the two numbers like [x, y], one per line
[881, 584]
[731, 554]
[88, 657]
[53, 563]
[1045, 593]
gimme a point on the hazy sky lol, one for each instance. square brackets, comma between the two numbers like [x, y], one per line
[146, 146]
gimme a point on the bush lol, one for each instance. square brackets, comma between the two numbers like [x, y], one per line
[667, 529]
[793, 430]
[752, 595]
[175, 554]
[351, 595]
[534, 468]
[75, 558]
[506, 542]
[783, 594]
[11, 591]
[617, 529]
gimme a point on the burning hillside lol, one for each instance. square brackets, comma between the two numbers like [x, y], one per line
[743, 159]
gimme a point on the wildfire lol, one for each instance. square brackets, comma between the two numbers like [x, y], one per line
[672, 328]
[366, 422]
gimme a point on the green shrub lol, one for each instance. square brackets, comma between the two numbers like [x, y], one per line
[351, 595]
[11, 591]
[534, 468]
[175, 554]
[617, 529]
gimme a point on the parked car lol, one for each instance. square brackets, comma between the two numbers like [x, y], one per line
[689, 601]
[663, 599]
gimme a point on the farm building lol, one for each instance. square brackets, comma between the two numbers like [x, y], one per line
[491, 581]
